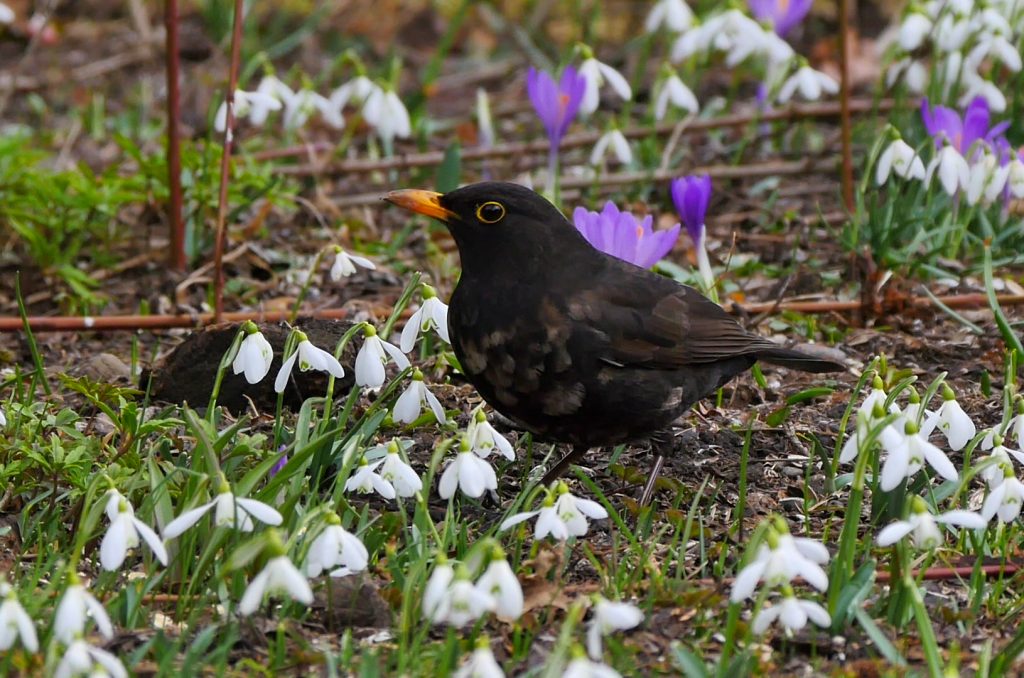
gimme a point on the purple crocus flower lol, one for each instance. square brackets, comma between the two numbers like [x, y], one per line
[276, 468]
[961, 133]
[783, 15]
[691, 195]
[556, 104]
[619, 234]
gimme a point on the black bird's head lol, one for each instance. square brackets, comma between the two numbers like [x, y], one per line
[494, 219]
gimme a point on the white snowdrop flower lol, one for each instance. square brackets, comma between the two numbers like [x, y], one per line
[501, 583]
[372, 357]
[1015, 427]
[548, 520]
[574, 511]
[581, 667]
[615, 140]
[309, 357]
[124, 534]
[953, 170]
[436, 590]
[481, 663]
[674, 15]
[345, 264]
[923, 526]
[609, 617]
[696, 40]
[231, 511]
[792, 613]
[484, 439]
[776, 50]
[74, 610]
[396, 471]
[386, 113]
[889, 436]
[279, 577]
[951, 32]
[432, 314]
[416, 395]
[914, 29]
[899, 157]
[459, 602]
[82, 659]
[273, 87]
[1005, 498]
[257, 105]
[366, 479]
[255, 354]
[912, 72]
[996, 460]
[467, 472]
[1015, 177]
[781, 560]
[7, 15]
[597, 73]
[302, 105]
[976, 86]
[996, 46]
[875, 400]
[954, 422]
[336, 550]
[811, 84]
[357, 91]
[674, 91]
[15, 623]
[908, 454]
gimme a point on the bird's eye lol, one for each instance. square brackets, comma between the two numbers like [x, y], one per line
[490, 212]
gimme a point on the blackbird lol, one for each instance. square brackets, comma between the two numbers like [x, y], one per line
[573, 344]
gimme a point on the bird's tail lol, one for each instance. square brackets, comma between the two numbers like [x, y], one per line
[797, 360]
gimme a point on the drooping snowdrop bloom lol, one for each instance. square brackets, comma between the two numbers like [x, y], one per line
[501, 583]
[888, 436]
[609, 616]
[279, 577]
[437, 586]
[336, 550]
[372, 357]
[255, 354]
[782, 15]
[907, 454]
[309, 357]
[366, 479]
[674, 91]
[876, 396]
[597, 73]
[615, 140]
[986, 181]
[548, 520]
[74, 610]
[692, 195]
[467, 472]
[355, 91]
[792, 612]
[15, 622]
[914, 29]
[411, 402]
[481, 663]
[732, 33]
[301, 105]
[912, 72]
[256, 104]
[396, 471]
[1015, 177]
[345, 264]
[574, 511]
[620, 234]
[582, 667]
[432, 314]
[954, 422]
[484, 439]
[231, 511]
[459, 602]
[811, 84]
[270, 87]
[997, 459]
[952, 168]
[125, 533]
[674, 15]
[1004, 500]
[385, 112]
[82, 659]
[899, 158]
[923, 526]
[780, 560]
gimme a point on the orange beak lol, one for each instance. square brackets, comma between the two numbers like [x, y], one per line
[421, 202]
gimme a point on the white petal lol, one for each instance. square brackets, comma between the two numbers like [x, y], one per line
[282, 374]
[961, 518]
[260, 511]
[407, 407]
[186, 520]
[893, 532]
[115, 543]
[253, 595]
[151, 538]
[411, 331]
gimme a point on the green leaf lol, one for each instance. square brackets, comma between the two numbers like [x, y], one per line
[450, 170]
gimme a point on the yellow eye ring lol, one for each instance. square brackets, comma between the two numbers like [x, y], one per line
[490, 212]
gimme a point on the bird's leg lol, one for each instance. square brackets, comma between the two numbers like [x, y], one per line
[559, 469]
[661, 443]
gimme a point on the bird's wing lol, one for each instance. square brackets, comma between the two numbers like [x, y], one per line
[649, 321]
